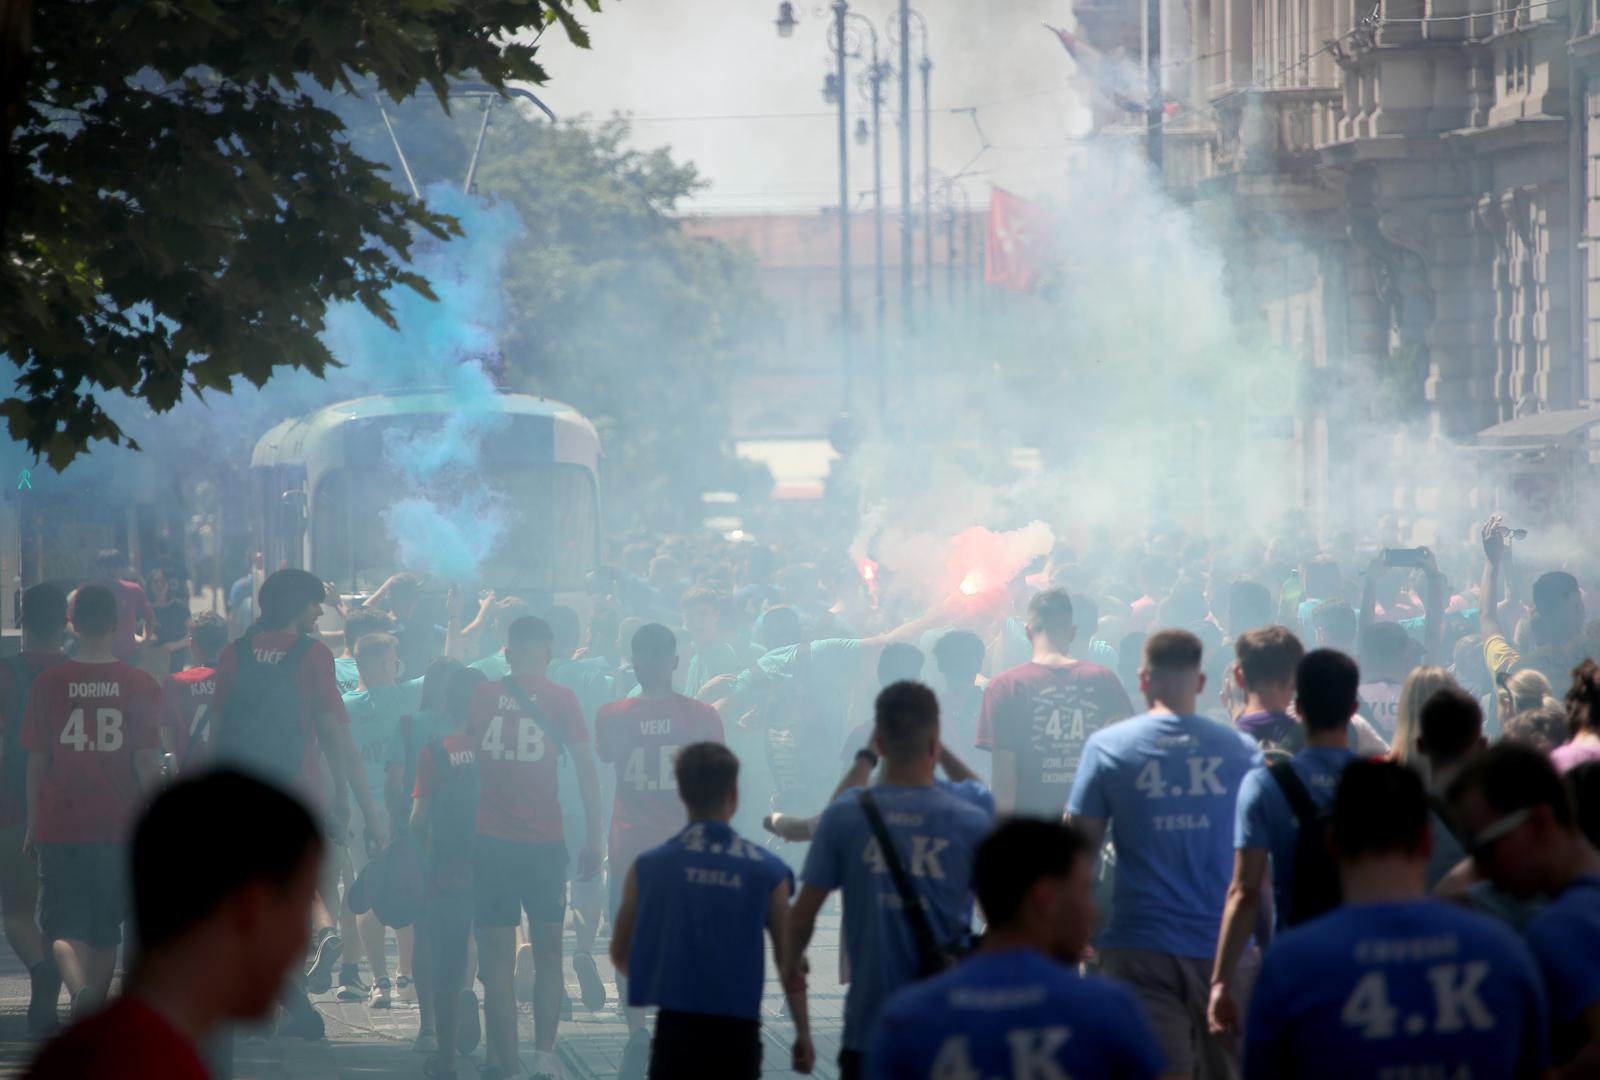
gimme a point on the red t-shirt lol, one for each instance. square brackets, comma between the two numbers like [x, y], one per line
[1044, 714]
[186, 700]
[517, 758]
[128, 1040]
[642, 736]
[14, 804]
[319, 695]
[90, 720]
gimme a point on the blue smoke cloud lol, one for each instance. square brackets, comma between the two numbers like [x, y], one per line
[445, 522]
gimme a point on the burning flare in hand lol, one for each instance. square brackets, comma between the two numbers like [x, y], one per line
[972, 584]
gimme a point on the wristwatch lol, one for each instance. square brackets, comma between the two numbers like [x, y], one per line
[867, 756]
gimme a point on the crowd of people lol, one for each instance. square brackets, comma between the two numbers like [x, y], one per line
[1348, 830]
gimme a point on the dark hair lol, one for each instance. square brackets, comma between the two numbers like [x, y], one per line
[1584, 782]
[652, 641]
[1450, 723]
[1553, 589]
[203, 815]
[707, 774]
[1583, 700]
[1017, 854]
[1512, 778]
[1172, 650]
[94, 611]
[1326, 690]
[899, 662]
[780, 626]
[208, 633]
[363, 621]
[1050, 613]
[959, 650]
[285, 594]
[1268, 655]
[1336, 619]
[1249, 606]
[565, 626]
[406, 586]
[1380, 807]
[1543, 728]
[904, 716]
[44, 610]
[436, 683]
[458, 691]
[1383, 641]
[529, 630]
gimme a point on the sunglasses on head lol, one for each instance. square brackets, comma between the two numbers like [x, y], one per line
[1484, 841]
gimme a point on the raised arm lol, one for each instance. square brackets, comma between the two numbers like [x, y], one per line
[1434, 601]
[1495, 549]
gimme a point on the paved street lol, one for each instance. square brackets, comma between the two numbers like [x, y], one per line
[365, 1043]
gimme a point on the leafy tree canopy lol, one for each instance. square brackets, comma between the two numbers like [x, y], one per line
[183, 207]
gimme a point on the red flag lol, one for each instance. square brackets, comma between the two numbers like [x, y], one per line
[1021, 240]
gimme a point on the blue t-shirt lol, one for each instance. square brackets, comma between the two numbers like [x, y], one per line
[1013, 1014]
[1265, 821]
[375, 723]
[1416, 988]
[346, 674]
[936, 836]
[1565, 939]
[697, 945]
[1168, 785]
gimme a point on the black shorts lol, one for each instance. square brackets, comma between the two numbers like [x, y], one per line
[694, 1045]
[83, 892]
[509, 878]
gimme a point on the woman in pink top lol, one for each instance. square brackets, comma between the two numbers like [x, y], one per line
[1583, 718]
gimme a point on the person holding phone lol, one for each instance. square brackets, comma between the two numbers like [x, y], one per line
[1558, 614]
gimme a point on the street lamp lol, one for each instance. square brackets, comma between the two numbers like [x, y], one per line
[907, 221]
[833, 92]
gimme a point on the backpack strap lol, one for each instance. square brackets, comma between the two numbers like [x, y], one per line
[928, 952]
[530, 708]
[1294, 789]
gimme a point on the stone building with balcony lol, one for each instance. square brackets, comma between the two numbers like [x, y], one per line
[1409, 191]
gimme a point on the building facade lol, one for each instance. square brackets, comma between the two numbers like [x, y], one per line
[1408, 191]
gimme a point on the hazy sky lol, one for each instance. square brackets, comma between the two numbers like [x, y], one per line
[712, 79]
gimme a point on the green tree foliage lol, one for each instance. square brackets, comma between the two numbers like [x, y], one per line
[183, 208]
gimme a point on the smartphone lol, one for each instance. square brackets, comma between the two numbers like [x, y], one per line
[1410, 558]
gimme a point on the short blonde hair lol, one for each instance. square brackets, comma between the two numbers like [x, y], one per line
[372, 649]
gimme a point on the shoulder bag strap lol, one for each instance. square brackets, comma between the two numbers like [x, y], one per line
[1295, 791]
[916, 915]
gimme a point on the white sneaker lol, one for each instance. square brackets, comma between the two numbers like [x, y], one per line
[546, 1066]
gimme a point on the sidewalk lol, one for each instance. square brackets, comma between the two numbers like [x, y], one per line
[364, 1043]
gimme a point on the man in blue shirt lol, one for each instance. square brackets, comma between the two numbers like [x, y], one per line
[1020, 1008]
[1393, 983]
[1167, 781]
[688, 933]
[935, 837]
[1517, 812]
[1266, 826]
